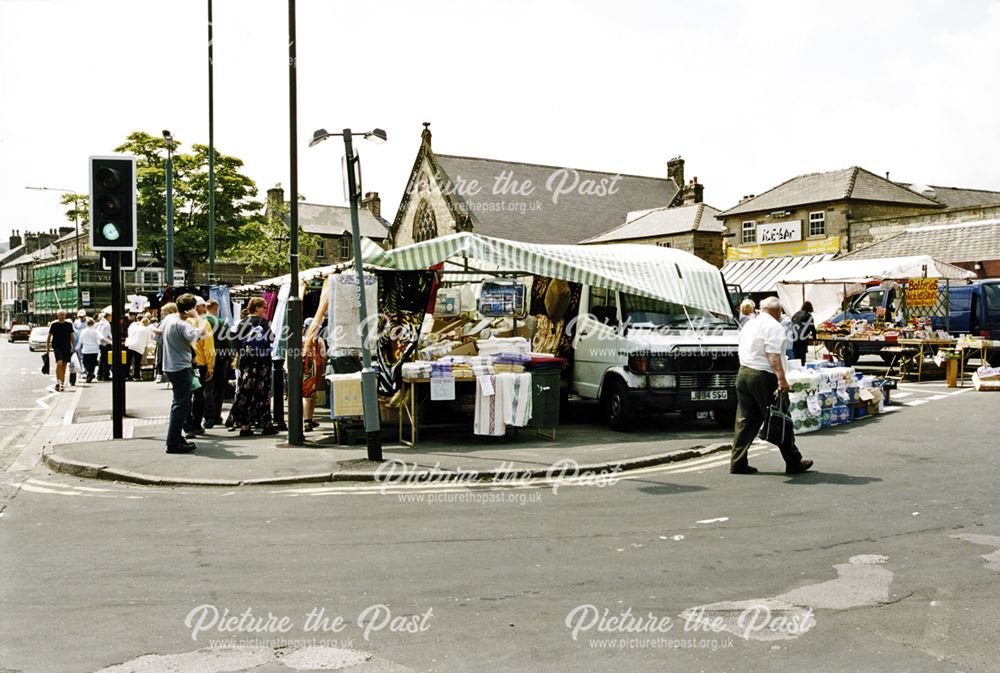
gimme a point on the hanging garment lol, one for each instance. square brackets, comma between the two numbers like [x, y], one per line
[278, 323]
[220, 293]
[403, 297]
[345, 325]
[515, 398]
[270, 298]
[488, 418]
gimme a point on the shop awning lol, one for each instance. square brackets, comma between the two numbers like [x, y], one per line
[648, 270]
[760, 275]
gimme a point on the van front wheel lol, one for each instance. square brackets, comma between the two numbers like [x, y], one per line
[619, 409]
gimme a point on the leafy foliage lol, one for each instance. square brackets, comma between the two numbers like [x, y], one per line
[237, 213]
[265, 250]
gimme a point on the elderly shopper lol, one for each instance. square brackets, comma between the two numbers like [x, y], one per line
[748, 310]
[760, 380]
[252, 404]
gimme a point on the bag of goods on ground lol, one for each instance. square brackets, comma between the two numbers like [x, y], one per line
[805, 416]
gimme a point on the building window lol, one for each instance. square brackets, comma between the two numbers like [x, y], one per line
[424, 223]
[346, 248]
[321, 248]
[665, 244]
[817, 224]
[749, 232]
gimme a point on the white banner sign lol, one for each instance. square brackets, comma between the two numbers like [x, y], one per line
[779, 232]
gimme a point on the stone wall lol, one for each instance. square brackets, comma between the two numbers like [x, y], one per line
[836, 221]
[864, 232]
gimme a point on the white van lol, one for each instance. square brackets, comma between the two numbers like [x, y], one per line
[635, 353]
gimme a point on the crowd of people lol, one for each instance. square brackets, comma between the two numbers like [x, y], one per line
[205, 361]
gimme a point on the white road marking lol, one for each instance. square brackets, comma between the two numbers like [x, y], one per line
[720, 519]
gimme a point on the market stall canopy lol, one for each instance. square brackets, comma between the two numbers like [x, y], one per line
[304, 277]
[648, 270]
[827, 284]
[866, 270]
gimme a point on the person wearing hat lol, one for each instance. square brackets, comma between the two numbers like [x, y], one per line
[79, 325]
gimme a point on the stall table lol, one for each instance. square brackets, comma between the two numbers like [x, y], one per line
[545, 405]
[925, 348]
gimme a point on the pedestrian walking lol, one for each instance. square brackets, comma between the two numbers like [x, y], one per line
[252, 404]
[804, 329]
[137, 341]
[748, 309]
[178, 338]
[103, 326]
[761, 377]
[90, 348]
[62, 342]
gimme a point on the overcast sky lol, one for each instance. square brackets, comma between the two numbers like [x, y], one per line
[750, 92]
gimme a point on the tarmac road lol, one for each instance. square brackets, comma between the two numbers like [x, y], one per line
[883, 559]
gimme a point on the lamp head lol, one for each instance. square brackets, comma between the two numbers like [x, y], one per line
[377, 136]
[319, 135]
[166, 134]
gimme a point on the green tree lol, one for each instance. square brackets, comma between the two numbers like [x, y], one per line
[78, 207]
[265, 250]
[236, 210]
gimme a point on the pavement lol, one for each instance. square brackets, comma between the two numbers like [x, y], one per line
[85, 448]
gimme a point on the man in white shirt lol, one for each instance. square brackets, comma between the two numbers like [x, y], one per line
[103, 327]
[90, 348]
[761, 376]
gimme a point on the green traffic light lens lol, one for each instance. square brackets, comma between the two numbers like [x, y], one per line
[110, 231]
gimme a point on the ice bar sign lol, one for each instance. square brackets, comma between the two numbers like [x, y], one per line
[779, 232]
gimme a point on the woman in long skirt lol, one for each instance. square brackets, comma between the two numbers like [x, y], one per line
[252, 405]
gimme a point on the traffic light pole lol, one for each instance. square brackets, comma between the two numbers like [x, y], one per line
[117, 368]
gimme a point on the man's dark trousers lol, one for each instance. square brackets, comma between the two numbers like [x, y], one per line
[103, 368]
[219, 382]
[180, 408]
[203, 403]
[754, 393]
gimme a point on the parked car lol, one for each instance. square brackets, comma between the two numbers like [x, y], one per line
[18, 333]
[38, 338]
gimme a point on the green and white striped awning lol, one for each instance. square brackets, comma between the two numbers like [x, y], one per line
[647, 270]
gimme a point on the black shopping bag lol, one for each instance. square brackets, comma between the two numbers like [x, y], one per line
[45, 363]
[777, 428]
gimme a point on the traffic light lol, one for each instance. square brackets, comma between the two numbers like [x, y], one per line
[112, 203]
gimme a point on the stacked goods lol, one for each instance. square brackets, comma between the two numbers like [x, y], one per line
[986, 378]
[803, 400]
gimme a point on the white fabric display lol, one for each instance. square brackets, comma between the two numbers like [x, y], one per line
[345, 328]
[516, 398]
[488, 418]
[278, 323]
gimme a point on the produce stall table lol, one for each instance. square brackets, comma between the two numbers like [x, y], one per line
[925, 348]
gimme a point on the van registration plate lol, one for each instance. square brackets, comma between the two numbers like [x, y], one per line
[702, 395]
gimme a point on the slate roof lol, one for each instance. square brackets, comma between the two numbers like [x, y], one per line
[856, 184]
[315, 218]
[957, 197]
[547, 215]
[953, 243]
[663, 222]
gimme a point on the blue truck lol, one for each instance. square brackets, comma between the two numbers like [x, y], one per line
[972, 309]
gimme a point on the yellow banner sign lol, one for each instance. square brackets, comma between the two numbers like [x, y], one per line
[812, 247]
[921, 292]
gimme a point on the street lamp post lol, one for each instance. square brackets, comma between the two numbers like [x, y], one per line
[170, 207]
[76, 214]
[368, 386]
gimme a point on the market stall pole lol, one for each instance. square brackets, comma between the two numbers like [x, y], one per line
[369, 392]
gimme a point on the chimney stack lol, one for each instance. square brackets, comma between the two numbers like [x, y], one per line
[693, 192]
[15, 239]
[373, 203]
[675, 171]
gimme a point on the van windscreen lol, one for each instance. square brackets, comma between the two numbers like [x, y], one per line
[640, 311]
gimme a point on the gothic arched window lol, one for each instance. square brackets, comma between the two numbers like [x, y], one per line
[424, 223]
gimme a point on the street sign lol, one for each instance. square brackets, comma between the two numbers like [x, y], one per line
[85, 297]
[127, 257]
